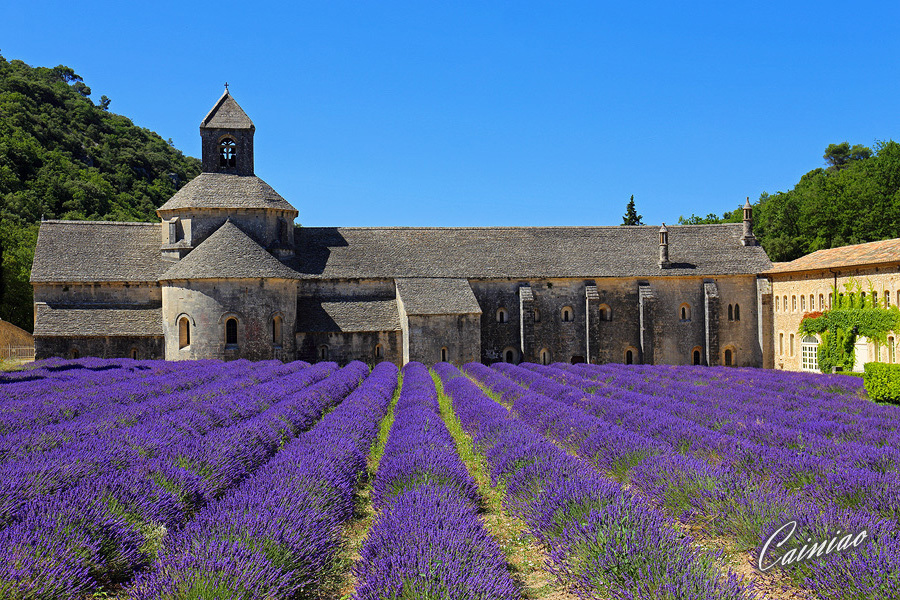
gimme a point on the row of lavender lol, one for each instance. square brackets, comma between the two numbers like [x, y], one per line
[605, 539]
[92, 511]
[275, 535]
[427, 541]
[740, 489]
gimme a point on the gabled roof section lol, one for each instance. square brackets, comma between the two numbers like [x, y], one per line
[221, 190]
[871, 253]
[350, 315]
[524, 252]
[97, 251]
[226, 114]
[229, 253]
[437, 296]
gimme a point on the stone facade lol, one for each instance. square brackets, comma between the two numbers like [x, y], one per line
[226, 275]
[804, 286]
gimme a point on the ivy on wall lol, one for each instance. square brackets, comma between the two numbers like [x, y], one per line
[854, 313]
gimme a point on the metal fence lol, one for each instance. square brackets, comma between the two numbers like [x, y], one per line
[24, 353]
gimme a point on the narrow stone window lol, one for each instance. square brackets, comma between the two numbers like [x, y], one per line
[231, 332]
[501, 315]
[134, 354]
[605, 313]
[776, 303]
[227, 153]
[696, 357]
[685, 312]
[567, 314]
[730, 313]
[862, 300]
[184, 333]
[802, 302]
[794, 303]
[378, 351]
[830, 299]
[791, 348]
[74, 353]
[887, 299]
[510, 356]
[822, 301]
[812, 302]
[276, 331]
[537, 316]
[545, 357]
[444, 355]
[729, 357]
[891, 356]
[781, 344]
[737, 311]
[323, 352]
[629, 357]
[784, 304]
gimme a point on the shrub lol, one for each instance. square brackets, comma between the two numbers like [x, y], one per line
[882, 382]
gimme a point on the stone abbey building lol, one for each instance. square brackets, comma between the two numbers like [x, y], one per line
[226, 275]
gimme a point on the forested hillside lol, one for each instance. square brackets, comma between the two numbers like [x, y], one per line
[63, 156]
[854, 199]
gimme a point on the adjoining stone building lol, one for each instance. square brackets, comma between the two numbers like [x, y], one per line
[807, 285]
[226, 275]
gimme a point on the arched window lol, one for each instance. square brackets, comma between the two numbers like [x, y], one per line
[737, 311]
[822, 301]
[276, 330]
[730, 313]
[629, 357]
[605, 313]
[537, 316]
[227, 153]
[567, 314]
[784, 304]
[696, 356]
[781, 344]
[545, 357]
[802, 302]
[898, 297]
[444, 355]
[812, 302]
[729, 357]
[685, 312]
[378, 351]
[184, 333]
[323, 352]
[830, 299]
[509, 356]
[809, 359]
[74, 353]
[862, 300]
[890, 342]
[501, 315]
[887, 299]
[231, 332]
[791, 348]
[776, 303]
[133, 354]
[794, 303]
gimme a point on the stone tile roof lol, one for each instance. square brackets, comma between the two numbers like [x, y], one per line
[437, 296]
[228, 253]
[316, 315]
[226, 114]
[102, 251]
[83, 320]
[524, 252]
[222, 190]
[871, 253]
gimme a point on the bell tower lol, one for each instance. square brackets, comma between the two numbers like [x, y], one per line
[227, 138]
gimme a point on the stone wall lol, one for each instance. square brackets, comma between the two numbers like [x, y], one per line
[797, 288]
[459, 334]
[344, 347]
[209, 303]
[102, 347]
[198, 224]
[114, 293]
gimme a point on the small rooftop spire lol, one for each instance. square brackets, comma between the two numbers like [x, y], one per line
[748, 239]
[663, 247]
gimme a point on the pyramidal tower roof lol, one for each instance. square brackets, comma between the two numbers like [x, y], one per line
[228, 253]
[226, 114]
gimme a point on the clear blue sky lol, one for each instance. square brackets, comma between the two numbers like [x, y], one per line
[494, 113]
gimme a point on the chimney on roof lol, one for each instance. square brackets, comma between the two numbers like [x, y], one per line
[748, 239]
[663, 247]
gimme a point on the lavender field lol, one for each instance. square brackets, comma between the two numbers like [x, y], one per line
[202, 480]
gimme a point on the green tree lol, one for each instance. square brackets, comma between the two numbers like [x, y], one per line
[631, 217]
[840, 155]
